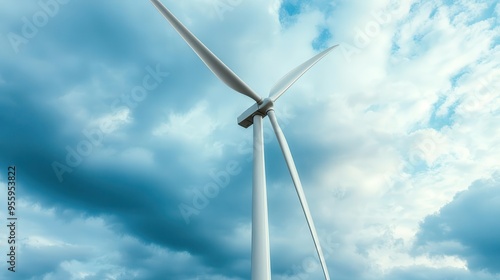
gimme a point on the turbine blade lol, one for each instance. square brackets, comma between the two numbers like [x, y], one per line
[298, 187]
[223, 72]
[289, 79]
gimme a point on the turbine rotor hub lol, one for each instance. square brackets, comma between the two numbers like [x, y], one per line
[246, 119]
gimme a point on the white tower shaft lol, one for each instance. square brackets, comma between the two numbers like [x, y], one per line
[261, 263]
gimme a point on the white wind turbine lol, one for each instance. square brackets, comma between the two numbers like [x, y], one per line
[261, 265]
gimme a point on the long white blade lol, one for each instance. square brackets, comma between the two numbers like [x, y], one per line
[298, 187]
[289, 79]
[211, 60]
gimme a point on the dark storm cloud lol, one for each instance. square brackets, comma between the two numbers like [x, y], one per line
[76, 49]
[467, 227]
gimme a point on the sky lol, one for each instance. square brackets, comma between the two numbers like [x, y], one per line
[130, 163]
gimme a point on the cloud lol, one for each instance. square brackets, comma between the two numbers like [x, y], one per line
[59, 247]
[422, 272]
[467, 227]
[385, 131]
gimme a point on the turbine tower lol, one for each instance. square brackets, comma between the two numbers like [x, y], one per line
[261, 264]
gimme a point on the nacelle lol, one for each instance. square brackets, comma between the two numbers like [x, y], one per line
[246, 119]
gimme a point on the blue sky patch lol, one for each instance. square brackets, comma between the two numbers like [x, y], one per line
[321, 42]
[439, 121]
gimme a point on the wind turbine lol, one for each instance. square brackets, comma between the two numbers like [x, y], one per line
[261, 264]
